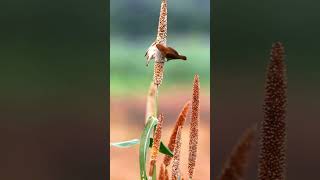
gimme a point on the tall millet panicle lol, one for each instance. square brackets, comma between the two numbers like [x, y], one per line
[179, 123]
[175, 173]
[272, 158]
[194, 129]
[156, 144]
[163, 25]
[235, 167]
[162, 39]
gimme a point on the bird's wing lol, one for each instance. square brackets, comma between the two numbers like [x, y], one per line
[161, 47]
[173, 50]
[170, 56]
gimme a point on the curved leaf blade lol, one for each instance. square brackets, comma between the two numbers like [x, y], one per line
[144, 146]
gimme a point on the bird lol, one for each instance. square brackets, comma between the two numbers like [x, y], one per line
[153, 53]
[169, 52]
[158, 50]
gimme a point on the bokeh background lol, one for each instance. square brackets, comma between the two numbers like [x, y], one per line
[243, 32]
[133, 27]
[53, 95]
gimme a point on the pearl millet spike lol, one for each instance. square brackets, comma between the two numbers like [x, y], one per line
[152, 51]
[167, 53]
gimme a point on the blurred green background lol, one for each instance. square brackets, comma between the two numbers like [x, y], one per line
[133, 27]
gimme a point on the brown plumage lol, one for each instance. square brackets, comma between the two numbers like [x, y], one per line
[272, 158]
[170, 53]
[179, 123]
[236, 165]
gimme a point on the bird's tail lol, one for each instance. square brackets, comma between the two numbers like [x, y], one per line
[183, 57]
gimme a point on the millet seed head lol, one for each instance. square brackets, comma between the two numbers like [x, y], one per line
[161, 173]
[175, 173]
[194, 129]
[237, 163]
[158, 73]
[156, 144]
[272, 157]
[179, 123]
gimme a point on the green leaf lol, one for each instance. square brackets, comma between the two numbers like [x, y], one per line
[144, 146]
[163, 148]
[125, 144]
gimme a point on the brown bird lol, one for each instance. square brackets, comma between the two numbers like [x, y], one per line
[170, 53]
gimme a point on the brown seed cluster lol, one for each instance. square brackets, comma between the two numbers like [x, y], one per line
[156, 144]
[179, 123]
[195, 117]
[162, 26]
[161, 173]
[176, 156]
[236, 165]
[166, 174]
[272, 160]
[158, 73]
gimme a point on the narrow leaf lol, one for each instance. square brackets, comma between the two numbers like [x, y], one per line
[125, 144]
